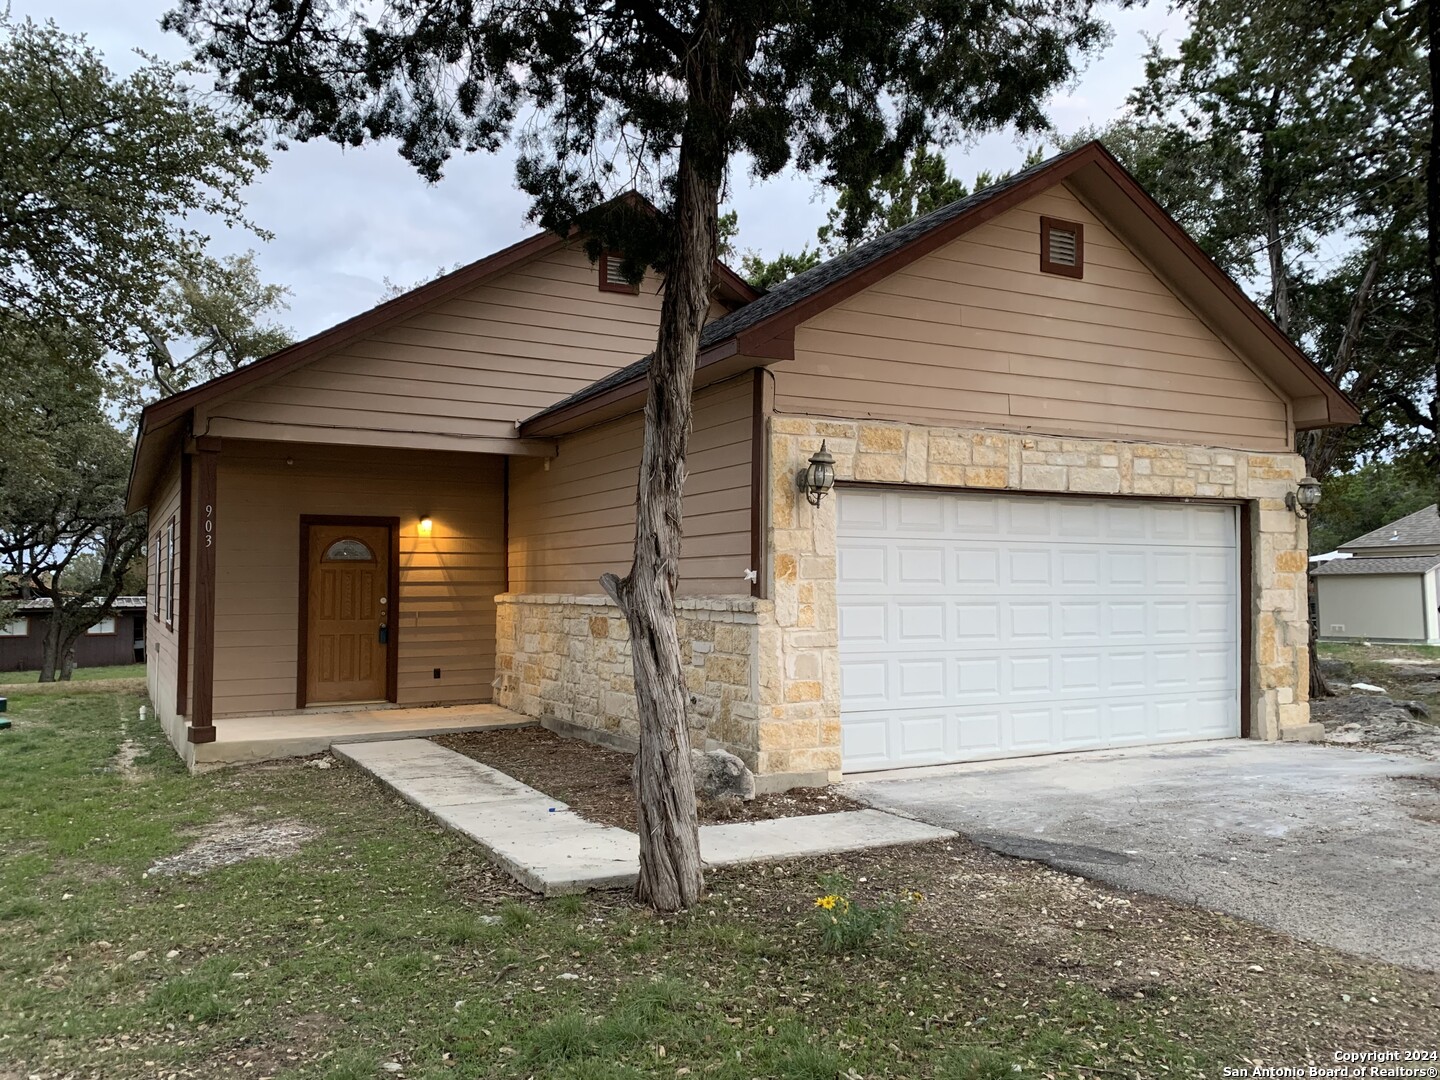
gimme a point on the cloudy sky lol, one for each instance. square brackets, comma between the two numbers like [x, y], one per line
[344, 220]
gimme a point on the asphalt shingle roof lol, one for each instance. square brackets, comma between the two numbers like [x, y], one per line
[1402, 564]
[1421, 527]
[803, 286]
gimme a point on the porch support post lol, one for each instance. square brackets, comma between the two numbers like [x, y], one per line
[202, 689]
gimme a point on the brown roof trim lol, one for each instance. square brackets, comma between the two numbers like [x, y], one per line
[734, 287]
[783, 321]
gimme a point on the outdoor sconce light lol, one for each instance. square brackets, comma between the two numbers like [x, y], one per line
[1305, 498]
[426, 525]
[818, 477]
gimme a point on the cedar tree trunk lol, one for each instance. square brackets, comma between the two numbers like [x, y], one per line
[670, 870]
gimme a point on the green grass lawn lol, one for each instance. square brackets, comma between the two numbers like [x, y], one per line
[386, 941]
[114, 671]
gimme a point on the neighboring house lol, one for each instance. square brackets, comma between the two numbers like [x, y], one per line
[1063, 440]
[117, 639]
[1386, 584]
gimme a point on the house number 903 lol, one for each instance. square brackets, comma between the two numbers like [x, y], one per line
[209, 525]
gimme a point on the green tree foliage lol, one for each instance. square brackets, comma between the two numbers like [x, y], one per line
[98, 175]
[659, 95]
[64, 533]
[1373, 495]
[214, 317]
[1290, 141]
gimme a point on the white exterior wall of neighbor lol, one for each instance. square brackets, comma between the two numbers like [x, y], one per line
[1432, 607]
[1384, 607]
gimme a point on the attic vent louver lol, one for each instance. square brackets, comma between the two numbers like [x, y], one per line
[1062, 247]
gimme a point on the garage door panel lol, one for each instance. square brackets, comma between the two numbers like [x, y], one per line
[1071, 624]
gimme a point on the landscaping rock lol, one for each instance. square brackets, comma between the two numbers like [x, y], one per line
[719, 773]
[1336, 670]
[1378, 723]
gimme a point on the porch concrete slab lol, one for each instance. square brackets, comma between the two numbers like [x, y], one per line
[549, 848]
[813, 834]
[242, 739]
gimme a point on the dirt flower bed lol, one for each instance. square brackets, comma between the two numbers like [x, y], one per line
[595, 782]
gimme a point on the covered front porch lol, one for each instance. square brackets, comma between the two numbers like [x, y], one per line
[332, 594]
[243, 739]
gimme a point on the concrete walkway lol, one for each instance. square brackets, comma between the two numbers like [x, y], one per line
[547, 847]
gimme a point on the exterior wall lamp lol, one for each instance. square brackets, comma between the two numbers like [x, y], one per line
[1304, 498]
[425, 525]
[817, 478]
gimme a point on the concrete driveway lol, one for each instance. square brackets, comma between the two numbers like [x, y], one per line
[1325, 844]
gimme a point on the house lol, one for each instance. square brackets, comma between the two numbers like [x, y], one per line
[118, 638]
[1386, 584]
[1063, 442]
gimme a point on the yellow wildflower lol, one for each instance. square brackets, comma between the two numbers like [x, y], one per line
[826, 902]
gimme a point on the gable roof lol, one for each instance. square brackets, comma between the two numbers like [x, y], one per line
[171, 410]
[1413, 564]
[1413, 530]
[760, 327]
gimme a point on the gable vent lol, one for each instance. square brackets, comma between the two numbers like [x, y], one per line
[1062, 247]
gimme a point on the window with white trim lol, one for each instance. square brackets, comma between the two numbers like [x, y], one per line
[102, 628]
[15, 628]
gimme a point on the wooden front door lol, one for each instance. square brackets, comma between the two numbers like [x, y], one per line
[348, 603]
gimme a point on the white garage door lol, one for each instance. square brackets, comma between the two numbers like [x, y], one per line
[978, 626]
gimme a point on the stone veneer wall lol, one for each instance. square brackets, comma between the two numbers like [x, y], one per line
[799, 716]
[567, 658]
[764, 675]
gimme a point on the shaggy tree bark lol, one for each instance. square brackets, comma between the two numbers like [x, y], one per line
[670, 870]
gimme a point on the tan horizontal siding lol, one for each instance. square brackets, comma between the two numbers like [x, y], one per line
[576, 521]
[445, 615]
[474, 364]
[974, 333]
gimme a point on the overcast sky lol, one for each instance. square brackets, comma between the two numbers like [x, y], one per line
[344, 220]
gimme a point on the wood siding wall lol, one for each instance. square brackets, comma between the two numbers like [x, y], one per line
[162, 643]
[976, 334]
[448, 580]
[474, 364]
[25, 653]
[575, 522]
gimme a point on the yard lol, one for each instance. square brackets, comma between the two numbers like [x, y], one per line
[89, 674]
[371, 943]
[1405, 671]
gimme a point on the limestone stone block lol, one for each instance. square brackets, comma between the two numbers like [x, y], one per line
[986, 477]
[1099, 481]
[881, 468]
[881, 438]
[1042, 478]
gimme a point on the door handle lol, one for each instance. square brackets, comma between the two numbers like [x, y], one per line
[384, 634]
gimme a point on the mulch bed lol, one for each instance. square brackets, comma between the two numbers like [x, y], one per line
[595, 782]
